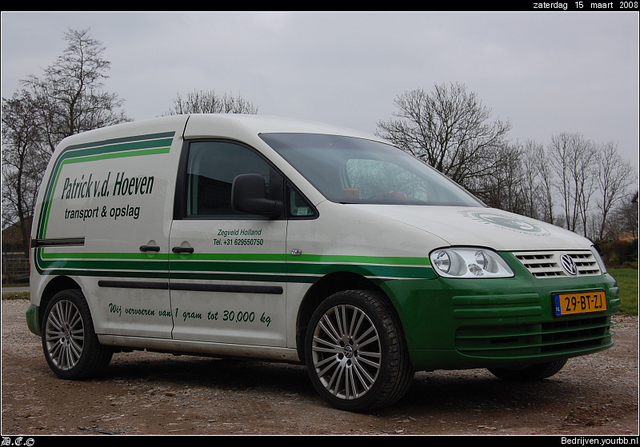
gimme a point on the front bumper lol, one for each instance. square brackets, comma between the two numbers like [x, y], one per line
[481, 323]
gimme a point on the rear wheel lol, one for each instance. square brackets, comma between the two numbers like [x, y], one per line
[530, 373]
[70, 344]
[355, 352]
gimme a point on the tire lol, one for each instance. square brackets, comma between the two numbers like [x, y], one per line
[530, 373]
[69, 342]
[355, 352]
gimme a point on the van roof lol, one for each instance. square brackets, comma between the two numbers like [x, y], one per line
[213, 125]
[201, 124]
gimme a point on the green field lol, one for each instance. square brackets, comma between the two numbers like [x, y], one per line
[628, 283]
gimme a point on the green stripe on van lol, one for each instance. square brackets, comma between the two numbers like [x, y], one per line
[232, 267]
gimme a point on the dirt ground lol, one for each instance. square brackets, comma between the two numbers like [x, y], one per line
[147, 393]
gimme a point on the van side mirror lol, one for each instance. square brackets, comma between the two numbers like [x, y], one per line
[249, 196]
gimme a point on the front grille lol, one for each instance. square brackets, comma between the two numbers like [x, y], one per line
[569, 337]
[547, 264]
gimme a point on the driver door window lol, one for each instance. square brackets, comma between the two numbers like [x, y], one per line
[211, 168]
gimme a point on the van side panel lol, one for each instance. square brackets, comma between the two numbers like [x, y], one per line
[107, 198]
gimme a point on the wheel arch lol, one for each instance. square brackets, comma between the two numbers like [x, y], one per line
[323, 289]
[54, 286]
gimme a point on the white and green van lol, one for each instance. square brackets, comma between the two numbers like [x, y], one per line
[269, 238]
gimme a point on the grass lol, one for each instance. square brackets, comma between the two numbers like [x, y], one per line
[15, 296]
[627, 281]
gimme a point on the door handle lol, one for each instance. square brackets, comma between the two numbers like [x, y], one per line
[149, 248]
[187, 250]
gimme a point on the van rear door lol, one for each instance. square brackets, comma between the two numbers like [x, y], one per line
[107, 191]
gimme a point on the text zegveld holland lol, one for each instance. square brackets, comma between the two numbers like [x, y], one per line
[226, 237]
[87, 186]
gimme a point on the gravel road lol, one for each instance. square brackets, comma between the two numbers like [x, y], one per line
[148, 393]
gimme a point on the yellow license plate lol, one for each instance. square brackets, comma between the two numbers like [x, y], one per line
[580, 302]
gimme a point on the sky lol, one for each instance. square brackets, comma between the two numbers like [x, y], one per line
[544, 72]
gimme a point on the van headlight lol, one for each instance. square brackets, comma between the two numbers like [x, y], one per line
[469, 263]
[599, 261]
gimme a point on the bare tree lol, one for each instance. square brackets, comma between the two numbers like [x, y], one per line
[66, 100]
[615, 175]
[504, 187]
[70, 91]
[537, 195]
[448, 130]
[546, 186]
[22, 162]
[210, 102]
[523, 181]
[573, 160]
[625, 215]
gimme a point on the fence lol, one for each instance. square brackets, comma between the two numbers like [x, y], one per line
[15, 268]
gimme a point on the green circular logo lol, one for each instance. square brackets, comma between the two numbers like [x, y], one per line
[511, 222]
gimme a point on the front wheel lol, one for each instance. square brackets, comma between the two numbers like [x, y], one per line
[70, 344]
[355, 352]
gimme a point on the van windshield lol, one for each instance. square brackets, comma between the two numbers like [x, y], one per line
[356, 170]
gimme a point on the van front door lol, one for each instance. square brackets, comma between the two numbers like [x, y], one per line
[227, 270]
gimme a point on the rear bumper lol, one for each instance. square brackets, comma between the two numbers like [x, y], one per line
[33, 319]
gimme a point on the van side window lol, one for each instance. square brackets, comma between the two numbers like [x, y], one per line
[211, 168]
[298, 205]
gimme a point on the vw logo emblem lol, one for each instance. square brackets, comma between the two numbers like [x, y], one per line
[568, 264]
